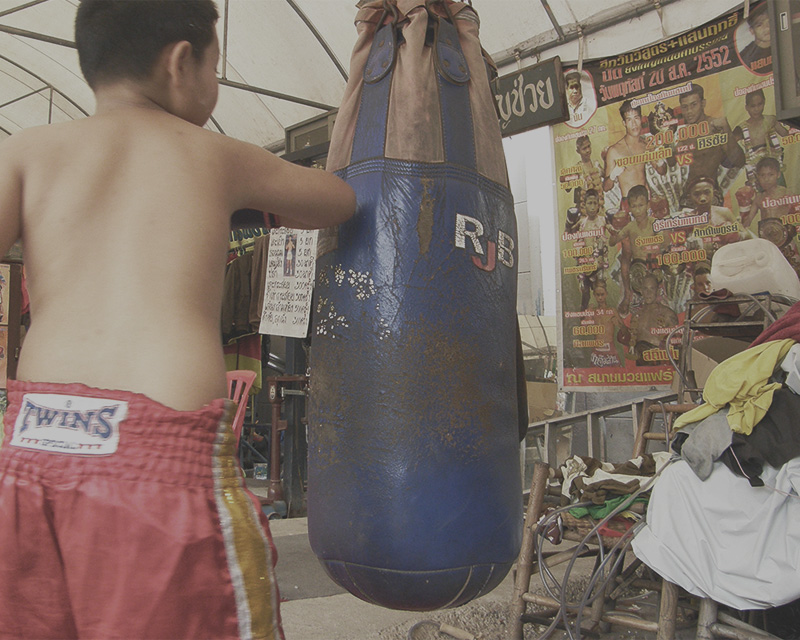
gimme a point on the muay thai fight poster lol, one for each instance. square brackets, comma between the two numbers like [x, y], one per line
[670, 152]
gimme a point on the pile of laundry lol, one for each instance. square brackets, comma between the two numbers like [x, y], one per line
[585, 479]
[593, 490]
[723, 521]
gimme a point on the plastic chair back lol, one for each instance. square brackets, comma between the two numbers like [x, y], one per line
[239, 383]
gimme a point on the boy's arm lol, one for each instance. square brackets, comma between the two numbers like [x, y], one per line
[299, 197]
[10, 198]
[613, 171]
[733, 152]
[253, 219]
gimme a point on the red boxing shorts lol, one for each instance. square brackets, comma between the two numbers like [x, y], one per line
[123, 518]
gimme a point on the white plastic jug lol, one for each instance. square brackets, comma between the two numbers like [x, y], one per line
[753, 266]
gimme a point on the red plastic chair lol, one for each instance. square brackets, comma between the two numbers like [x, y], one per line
[239, 383]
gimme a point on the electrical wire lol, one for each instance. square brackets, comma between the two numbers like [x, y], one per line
[598, 580]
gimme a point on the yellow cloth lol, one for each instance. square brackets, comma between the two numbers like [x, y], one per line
[742, 381]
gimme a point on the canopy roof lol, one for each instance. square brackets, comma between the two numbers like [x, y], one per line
[286, 61]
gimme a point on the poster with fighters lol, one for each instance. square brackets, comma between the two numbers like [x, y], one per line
[670, 152]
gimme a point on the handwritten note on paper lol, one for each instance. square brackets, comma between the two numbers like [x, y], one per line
[291, 264]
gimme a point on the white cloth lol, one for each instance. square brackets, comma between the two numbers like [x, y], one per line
[579, 113]
[791, 365]
[722, 538]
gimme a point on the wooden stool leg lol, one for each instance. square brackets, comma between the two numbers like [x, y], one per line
[667, 611]
[522, 580]
[644, 426]
[603, 599]
[706, 617]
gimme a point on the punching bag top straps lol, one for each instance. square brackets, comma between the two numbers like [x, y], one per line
[449, 58]
[384, 47]
[381, 55]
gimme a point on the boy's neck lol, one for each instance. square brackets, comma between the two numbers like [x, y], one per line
[124, 95]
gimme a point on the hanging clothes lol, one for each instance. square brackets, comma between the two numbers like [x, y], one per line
[775, 439]
[743, 382]
[243, 300]
[236, 298]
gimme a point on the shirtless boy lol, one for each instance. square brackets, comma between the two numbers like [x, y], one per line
[768, 173]
[701, 285]
[770, 206]
[651, 324]
[630, 145]
[608, 318]
[639, 241]
[596, 223]
[122, 514]
[706, 162]
[760, 134]
[592, 169]
[720, 226]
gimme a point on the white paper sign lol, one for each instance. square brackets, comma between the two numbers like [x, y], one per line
[291, 266]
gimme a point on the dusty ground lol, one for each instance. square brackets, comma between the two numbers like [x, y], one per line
[490, 621]
[317, 609]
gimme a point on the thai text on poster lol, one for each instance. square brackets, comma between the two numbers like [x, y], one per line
[670, 153]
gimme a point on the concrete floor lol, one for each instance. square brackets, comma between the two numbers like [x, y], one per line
[315, 608]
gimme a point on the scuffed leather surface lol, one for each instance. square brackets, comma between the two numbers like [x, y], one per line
[414, 489]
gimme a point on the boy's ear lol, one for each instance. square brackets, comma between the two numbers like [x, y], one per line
[176, 59]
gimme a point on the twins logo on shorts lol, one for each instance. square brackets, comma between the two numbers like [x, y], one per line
[68, 424]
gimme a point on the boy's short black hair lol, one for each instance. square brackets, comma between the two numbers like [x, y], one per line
[768, 162]
[754, 94]
[757, 12]
[119, 39]
[701, 271]
[638, 191]
[628, 106]
[694, 90]
[572, 76]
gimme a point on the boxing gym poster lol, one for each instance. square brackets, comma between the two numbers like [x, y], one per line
[670, 153]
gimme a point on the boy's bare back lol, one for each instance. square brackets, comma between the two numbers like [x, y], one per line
[124, 218]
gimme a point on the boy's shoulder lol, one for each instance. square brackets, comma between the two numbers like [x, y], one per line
[37, 139]
[21, 138]
[81, 130]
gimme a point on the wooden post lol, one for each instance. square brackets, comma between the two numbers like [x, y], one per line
[526, 558]
[667, 611]
[706, 617]
[645, 420]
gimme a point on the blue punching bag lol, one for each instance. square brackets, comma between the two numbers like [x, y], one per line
[414, 492]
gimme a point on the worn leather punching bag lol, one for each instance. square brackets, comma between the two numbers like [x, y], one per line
[414, 498]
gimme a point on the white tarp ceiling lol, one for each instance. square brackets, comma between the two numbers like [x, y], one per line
[286, 60]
